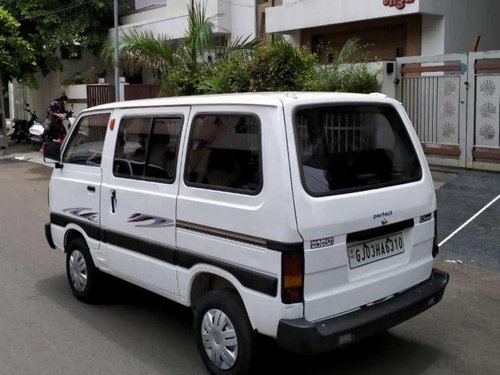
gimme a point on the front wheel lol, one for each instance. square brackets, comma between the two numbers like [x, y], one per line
[224, 336]
[83, 275]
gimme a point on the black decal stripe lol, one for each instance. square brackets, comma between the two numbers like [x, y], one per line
[154, 250]
[250, 279]
[91, 229]
[271, 245]
[379, 231]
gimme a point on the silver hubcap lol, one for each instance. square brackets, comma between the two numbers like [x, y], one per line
[219, 339]
[78, 270]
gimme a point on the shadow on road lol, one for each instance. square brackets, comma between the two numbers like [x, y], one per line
[39, 172]
[160, 332]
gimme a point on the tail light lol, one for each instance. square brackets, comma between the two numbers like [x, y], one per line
[435, 246]
[292, 284]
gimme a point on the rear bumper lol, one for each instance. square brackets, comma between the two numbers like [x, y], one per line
[48, 236]
[304, 337]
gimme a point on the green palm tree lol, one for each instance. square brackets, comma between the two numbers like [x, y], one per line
[161, 54]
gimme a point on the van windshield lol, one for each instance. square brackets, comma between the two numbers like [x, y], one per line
[347, 148]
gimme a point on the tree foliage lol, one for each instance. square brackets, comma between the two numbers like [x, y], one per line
[140, 50]
[49, 24]
[16, 54]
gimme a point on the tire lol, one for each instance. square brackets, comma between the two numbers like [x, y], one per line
[221, 313]
[83, 276]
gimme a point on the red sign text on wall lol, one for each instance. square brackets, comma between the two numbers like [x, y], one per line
[399, 4]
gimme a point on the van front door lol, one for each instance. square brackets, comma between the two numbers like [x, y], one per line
[75, 188]
[139, 196]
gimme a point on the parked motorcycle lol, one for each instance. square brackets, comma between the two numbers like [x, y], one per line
[21, 130]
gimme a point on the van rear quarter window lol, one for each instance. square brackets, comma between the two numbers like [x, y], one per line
[347, 148]
[224, 153]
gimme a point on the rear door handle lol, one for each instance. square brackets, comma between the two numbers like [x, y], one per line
[113, 200]
[91, 189]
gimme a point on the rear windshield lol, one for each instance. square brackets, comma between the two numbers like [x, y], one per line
[351, 148]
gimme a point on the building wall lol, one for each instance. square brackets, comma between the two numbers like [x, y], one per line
[384, 38]
[262, 5]
[53, 86]
[433, 35]
[464, 20]
[243, 20]
[447, 26]
[236, 18]
[139, 4]
[305, 14]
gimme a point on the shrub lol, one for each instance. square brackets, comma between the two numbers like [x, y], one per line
[85, 77]
[349, 72]
[184, 80]
[348, 78]
[226, 76]
[279, 66]
[276, 66]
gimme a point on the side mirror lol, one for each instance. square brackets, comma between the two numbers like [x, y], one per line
[52, 154]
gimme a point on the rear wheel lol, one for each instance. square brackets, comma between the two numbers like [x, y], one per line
[83, 276]
[224, 336]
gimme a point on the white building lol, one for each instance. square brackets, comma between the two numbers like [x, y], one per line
[231, 18]
[392, 28]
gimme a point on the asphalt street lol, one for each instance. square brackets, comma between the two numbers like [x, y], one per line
[45, 330]
[463, 195]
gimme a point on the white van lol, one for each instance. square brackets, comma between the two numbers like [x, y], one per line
[306, 217]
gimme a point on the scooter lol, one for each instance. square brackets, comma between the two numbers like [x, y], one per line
[36, 128]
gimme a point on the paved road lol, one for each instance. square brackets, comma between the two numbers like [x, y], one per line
[45, 331]
[464, 194]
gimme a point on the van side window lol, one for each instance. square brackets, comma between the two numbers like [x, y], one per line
[146, 148]
[224, 153]
[87, 140]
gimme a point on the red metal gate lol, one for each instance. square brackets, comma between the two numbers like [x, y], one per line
[141, 91]
[100, 94]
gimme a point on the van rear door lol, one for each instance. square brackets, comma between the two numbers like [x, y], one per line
[139, 195]
[364, 203]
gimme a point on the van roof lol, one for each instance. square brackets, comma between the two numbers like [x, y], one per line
[272, 99]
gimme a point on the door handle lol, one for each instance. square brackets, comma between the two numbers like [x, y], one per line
[113, 200]
[91, 189]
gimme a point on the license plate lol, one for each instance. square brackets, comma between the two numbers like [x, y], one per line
[374, 250]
